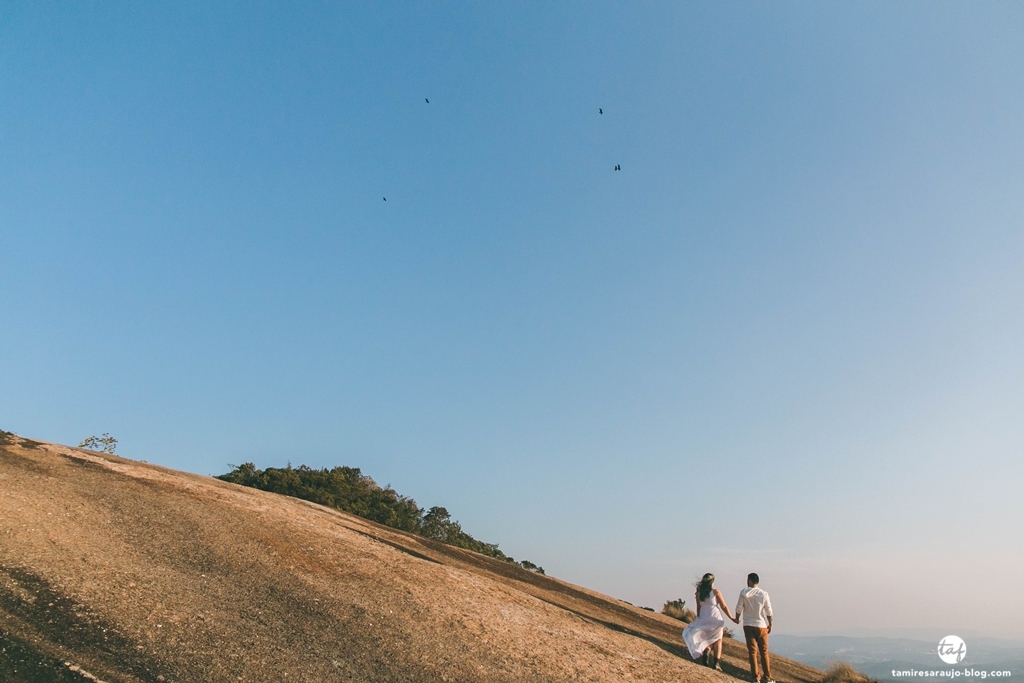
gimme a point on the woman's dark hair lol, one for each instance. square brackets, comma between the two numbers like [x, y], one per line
[704, 587]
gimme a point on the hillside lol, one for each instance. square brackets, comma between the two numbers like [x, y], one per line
[121, 571]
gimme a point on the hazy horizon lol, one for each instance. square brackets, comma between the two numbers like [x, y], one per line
[784, 338]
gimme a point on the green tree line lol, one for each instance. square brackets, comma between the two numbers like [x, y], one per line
[349, 490]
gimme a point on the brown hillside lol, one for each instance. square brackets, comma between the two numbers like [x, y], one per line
[117, 570]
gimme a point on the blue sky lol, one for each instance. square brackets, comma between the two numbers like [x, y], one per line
[786, 337]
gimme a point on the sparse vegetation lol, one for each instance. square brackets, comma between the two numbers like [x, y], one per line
[841, 672]
[103, 444]
[349, 490]
[677, 610]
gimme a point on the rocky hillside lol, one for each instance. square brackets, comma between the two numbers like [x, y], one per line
[121, 571]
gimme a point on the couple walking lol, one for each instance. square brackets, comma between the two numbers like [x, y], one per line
[703, 637]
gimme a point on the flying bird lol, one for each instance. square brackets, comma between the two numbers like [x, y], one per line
[617, 167]
[600, 111]
[385, 199]
[428, 101]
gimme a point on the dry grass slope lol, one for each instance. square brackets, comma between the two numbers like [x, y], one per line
[120, 571]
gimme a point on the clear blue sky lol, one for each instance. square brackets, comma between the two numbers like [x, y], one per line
[787, 337]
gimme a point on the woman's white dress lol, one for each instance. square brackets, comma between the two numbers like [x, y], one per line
[705, 629]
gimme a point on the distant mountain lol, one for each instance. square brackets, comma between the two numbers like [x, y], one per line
[878, 657]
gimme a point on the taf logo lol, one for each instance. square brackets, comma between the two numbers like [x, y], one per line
[952, 649]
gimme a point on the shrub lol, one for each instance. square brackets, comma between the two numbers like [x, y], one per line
[841, 672]
[677, 610]
[103, 444]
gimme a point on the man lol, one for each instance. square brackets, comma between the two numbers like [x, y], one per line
[756, 611]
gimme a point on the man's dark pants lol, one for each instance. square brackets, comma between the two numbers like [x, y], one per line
[757, 639]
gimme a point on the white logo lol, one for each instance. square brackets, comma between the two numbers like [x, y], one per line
[952, 649]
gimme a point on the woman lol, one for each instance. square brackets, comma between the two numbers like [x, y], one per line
[705, 632]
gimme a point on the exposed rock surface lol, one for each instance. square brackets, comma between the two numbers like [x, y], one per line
[118, 571]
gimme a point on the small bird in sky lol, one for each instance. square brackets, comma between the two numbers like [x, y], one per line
[617, 167]
[428, 101]
[600, 111]
[385, 199]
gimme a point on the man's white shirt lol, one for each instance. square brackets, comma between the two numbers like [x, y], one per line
[755, 607]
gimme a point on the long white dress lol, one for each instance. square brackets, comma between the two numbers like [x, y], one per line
[705, 629]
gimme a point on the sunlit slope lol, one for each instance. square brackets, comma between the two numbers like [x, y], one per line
[131, 572]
